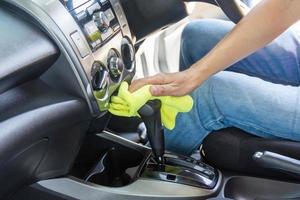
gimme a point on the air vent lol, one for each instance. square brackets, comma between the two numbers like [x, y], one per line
[128, 54]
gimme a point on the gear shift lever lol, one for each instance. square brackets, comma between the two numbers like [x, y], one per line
[150, 114]
[172, 167]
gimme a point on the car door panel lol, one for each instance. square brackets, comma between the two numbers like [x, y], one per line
[41, 127]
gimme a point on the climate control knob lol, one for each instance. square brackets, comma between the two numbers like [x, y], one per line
[116, 66]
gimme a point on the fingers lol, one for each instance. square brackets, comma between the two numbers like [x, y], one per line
[137, 84]
[164, 90]
[173, 84]
[159, 79]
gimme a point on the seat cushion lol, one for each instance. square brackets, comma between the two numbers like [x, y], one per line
[232, 149]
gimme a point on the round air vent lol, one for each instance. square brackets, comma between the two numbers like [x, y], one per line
[99, 76]
[128, 53]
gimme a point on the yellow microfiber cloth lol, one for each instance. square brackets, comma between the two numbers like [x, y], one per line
[128, 104]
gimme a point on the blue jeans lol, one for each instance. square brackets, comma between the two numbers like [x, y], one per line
[259, 94]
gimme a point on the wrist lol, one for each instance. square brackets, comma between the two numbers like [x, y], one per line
[198, 74]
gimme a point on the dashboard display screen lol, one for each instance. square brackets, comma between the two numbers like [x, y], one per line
[96, 19]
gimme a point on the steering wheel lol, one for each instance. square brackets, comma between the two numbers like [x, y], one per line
[235, 10]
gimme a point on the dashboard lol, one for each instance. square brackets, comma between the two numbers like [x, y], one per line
[100, 22]
[95, 36]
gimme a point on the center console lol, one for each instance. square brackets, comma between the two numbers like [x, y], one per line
[110, 161]
[111, 167]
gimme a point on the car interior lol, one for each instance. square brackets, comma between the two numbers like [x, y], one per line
[62, 60]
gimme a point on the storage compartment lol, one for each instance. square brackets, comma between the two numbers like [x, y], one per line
[108, 160]
[258, 188]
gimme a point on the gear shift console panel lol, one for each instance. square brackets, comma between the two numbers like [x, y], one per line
[182, 170]
[170, 167]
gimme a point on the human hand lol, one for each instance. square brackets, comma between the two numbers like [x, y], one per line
[173, 84]
[127, 104]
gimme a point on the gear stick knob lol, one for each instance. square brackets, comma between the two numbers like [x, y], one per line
[150, 114]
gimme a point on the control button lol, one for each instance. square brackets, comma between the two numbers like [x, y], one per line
[79, 43]
[200, 164]
[92, 31]
[82, 15]
[171, 177]
[200, 169]
[98, 42]
[109, 14]
[209, 173]
[93, 8]
[101, 21]
[118, 11]
[116, 27]
[103, 2]
[93, 44]
[209, 168]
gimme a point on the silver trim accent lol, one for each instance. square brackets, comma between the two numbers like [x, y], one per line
[78, 189]
[113, 137]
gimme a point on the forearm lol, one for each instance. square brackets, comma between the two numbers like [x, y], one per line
[261, 26]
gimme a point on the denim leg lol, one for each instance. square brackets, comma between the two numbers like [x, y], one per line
[278, 62]
[228, 99]
[231, 99]
[199, 37]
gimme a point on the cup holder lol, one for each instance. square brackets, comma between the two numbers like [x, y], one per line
[109, 172]
[107, 163]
